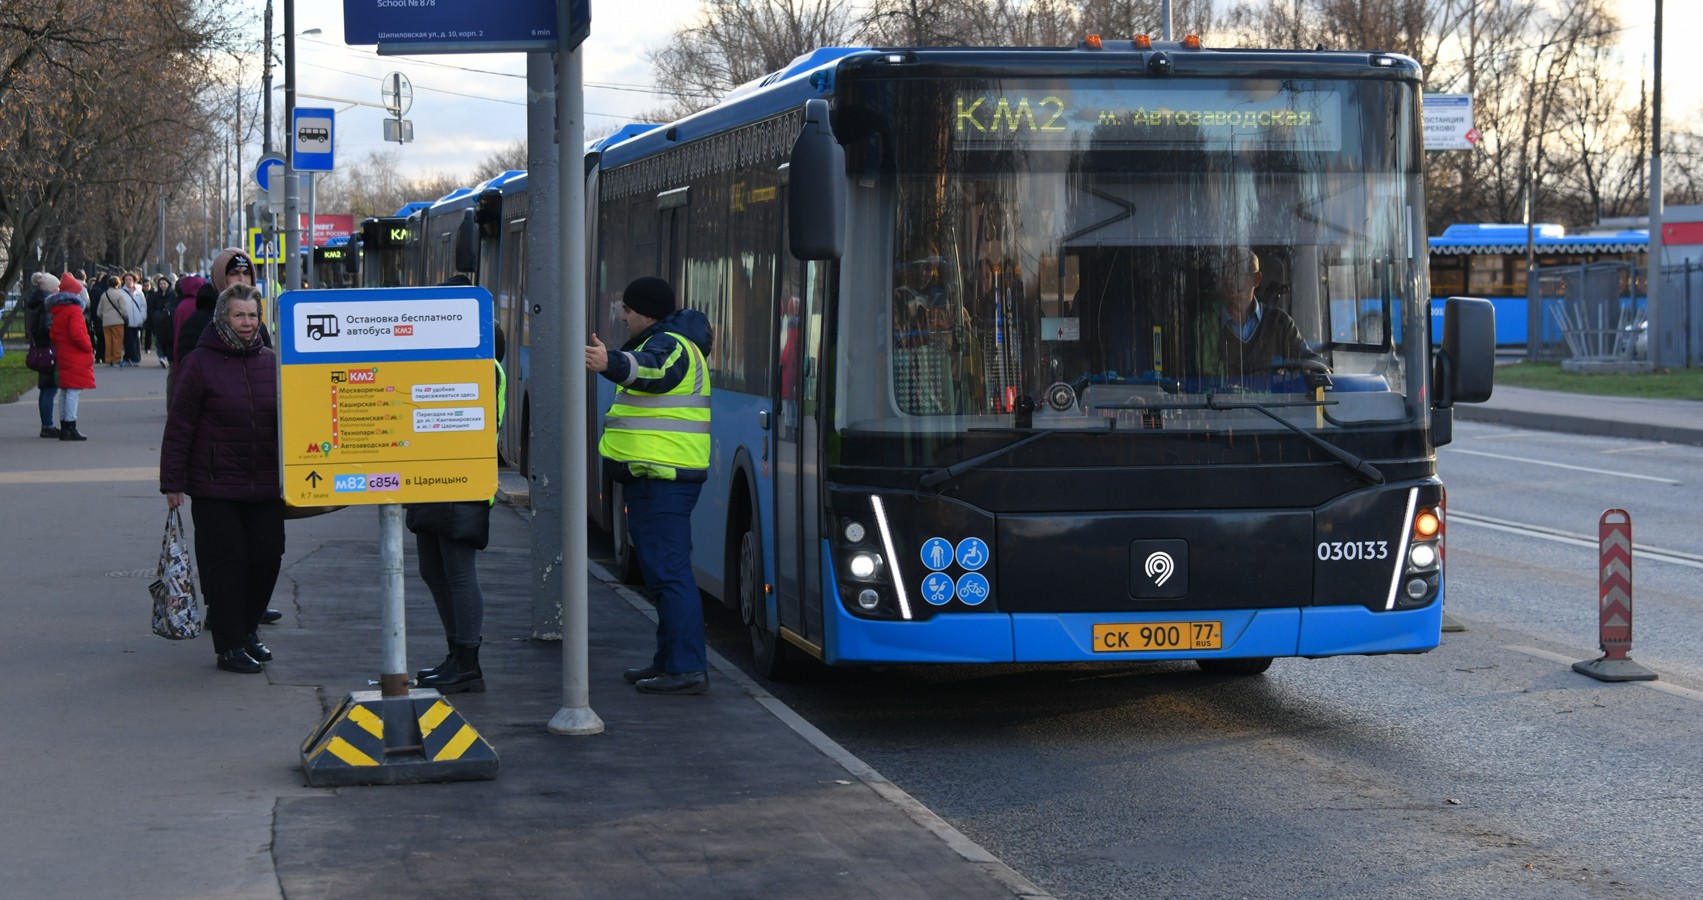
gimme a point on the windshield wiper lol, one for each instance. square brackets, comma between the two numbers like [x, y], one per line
[1359, 466]
[1030, 435]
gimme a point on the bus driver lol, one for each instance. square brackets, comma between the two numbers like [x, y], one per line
[1251, 336]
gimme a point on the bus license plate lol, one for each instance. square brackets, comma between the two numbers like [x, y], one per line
[1158, 636]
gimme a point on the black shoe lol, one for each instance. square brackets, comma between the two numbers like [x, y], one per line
[255, 649]
[421, 676]
[270, 616]
[68, 432]
[237, 660]
[634, 676]
[676, 683]
[48, 431]
[459, 674]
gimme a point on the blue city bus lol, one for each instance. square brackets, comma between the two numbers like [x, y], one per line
[973, 396]
[1489, 261]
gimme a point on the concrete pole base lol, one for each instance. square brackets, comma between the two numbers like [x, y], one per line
[575, 720]
[1606, 669]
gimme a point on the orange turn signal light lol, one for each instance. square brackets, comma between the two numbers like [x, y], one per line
[1426, 524]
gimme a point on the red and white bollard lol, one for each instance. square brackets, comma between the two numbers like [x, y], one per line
[1614, 603]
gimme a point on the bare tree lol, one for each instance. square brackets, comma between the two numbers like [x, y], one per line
[735, 41]
[512, 157]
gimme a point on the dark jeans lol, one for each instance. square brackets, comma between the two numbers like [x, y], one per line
[450, 569]
[239, 547]
[659, 523]
[48, 385]
[132, 344]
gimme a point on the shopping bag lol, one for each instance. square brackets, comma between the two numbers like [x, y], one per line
[177, 614]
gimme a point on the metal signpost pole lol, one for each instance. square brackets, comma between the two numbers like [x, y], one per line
[1653, 272]
[576, 715]
[292, 240]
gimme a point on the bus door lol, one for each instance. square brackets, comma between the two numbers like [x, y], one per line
[796, 478]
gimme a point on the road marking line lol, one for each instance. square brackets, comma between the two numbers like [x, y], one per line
[1664, 687]
[1651, 554]
[1556, 465]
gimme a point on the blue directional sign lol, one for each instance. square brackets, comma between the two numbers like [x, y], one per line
[313, 129]
[270, 165]
[489, 26]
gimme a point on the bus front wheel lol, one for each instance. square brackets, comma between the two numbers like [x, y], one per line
[626, 557]
[1246, 666]
[771, 655]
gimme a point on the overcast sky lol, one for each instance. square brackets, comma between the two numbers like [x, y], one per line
[467, 106]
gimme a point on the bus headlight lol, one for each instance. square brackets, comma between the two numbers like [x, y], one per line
[855, 533]
[863, 565]
[1422, 556]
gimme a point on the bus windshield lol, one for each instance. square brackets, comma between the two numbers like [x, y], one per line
[1068, 250]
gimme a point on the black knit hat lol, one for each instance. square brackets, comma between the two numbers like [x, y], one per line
[650, 297]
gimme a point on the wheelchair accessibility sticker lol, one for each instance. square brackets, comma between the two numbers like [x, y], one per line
[972, 553]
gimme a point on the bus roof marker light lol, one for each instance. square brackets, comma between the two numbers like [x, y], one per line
[887, 544]
[1143, 42]
[1191, 42]
[1092, 42]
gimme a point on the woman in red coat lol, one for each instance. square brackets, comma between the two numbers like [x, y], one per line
[75, 356]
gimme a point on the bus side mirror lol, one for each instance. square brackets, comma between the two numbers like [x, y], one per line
[1465, 367]
[816, 189]
[467, 243]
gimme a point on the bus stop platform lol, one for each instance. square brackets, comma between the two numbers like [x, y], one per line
[137, 769]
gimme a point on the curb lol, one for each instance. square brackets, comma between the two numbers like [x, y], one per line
[1641, 431]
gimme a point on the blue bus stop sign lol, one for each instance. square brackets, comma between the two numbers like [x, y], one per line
[314, 132]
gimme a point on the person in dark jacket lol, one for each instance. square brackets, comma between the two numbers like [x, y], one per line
[447, 539]
[74, 355]
[221, 448]
[189, 289]
[37, 323]
[158, 336]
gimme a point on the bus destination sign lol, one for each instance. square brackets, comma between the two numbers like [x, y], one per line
[1064, 119]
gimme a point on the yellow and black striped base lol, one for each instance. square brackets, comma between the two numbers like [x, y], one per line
[434, 743]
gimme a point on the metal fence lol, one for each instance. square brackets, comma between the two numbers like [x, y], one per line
[1679, 328]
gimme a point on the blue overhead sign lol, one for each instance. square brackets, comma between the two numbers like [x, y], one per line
[462, 26]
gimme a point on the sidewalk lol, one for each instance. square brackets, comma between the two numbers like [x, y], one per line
[1670, 421]
[138, 770]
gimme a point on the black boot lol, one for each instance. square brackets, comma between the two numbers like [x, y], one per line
[237, 660]
[421, 676]
[255, 649]
[459, 674]
[48, 431]
[68, 432]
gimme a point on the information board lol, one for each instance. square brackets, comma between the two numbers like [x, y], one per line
[451, 26]
[1448, 122]
[387, 395]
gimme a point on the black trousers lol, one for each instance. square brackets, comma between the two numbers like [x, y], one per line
[239, 547]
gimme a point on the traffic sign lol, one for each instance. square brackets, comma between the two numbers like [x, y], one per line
[387, 395]
[270, 166]
[1448, 122]
[263, 250]
[313, 129]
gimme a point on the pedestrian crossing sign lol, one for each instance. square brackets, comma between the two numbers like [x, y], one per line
[263, 249]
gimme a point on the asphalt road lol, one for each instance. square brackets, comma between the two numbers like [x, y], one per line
[1486, 768]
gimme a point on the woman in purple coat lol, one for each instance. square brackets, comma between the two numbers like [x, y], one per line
[221, 448]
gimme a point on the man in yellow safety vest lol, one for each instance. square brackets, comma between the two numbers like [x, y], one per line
[656, 437]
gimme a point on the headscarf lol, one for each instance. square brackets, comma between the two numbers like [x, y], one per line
[221, 308]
